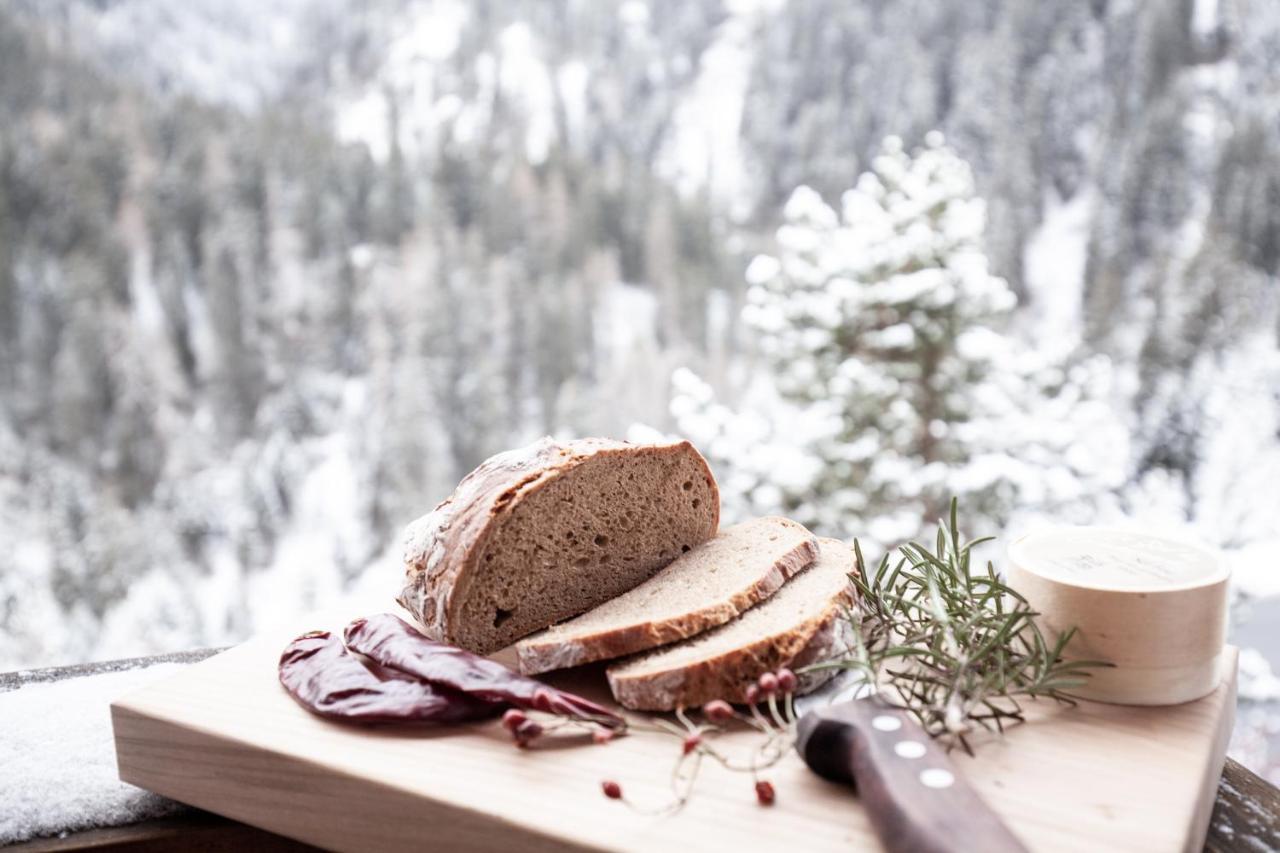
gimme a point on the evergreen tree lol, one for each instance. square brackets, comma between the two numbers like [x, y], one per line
[889, 384]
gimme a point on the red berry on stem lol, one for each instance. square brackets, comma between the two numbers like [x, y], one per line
[691, 743]
[718, 711]
[768, 684]
[611, 789]
[786, 680]
[527, 732]
[753, 694]
[764, 793]
[512, 719]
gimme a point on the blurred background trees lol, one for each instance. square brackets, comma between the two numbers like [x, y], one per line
[274, 274]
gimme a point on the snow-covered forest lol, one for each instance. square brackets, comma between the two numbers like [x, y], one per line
[274, 274]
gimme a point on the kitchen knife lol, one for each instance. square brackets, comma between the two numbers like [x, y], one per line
[915, 799]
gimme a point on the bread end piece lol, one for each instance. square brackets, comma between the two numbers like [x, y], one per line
[539, 534]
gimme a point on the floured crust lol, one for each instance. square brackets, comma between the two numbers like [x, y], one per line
[555, 649]
[442, 547]
[728, 675]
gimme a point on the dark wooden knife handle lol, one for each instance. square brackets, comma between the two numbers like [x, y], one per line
[914, 797]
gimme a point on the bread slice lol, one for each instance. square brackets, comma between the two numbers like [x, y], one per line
[537, 535]
[706, 587]
[802, 623]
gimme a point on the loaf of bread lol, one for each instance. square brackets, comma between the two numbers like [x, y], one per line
[802, 623]
[703, 588]
[540, 534]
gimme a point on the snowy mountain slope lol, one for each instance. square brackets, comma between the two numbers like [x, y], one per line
[274, 275]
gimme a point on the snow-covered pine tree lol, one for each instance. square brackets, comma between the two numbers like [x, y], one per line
[889, 383]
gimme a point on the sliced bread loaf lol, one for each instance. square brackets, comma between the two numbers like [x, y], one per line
[703, 588]
[537, 535]
[802, 623]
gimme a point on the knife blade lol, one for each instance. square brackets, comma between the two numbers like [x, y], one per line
[915, 799]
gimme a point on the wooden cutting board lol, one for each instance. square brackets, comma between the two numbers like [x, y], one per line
[223, 736]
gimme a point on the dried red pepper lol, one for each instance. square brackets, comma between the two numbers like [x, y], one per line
[327, 680]
[392, 642]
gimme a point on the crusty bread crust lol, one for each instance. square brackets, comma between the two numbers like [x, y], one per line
[442, 548]
[555, 650]
[728, 675]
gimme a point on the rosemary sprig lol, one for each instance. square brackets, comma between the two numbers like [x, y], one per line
[955, 649]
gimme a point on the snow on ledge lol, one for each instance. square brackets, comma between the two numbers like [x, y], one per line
[59, 760]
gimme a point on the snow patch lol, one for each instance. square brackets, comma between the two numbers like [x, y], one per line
[1257, 681]
[1255, 568]
[59, 758]
[366, 120]
[704, 149]
[571, 82]
[1054, 264]
[524, 79]
[626, 318]
[1204, 17]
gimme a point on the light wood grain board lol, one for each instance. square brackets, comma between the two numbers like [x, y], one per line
[223, 736]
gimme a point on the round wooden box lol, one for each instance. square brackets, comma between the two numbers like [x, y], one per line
[1154, 606]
